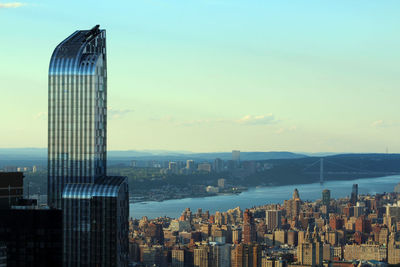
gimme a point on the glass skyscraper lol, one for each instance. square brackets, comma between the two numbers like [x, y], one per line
[95, 223]
[77, 112]
[95, 206]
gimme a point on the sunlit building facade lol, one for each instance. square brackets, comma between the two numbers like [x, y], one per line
[95, 206]
[77, 112]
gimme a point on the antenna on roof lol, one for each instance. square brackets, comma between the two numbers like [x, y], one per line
[93, 32]
[95, 28]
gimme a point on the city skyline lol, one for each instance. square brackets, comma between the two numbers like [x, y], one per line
[210, 133]
[292, 76]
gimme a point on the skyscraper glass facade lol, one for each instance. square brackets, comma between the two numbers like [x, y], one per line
[95, 206]
[77, 112]
[96, 223]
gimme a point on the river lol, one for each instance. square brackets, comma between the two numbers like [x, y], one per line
[260, 196]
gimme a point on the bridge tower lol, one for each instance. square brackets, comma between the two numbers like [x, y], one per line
[321, 171]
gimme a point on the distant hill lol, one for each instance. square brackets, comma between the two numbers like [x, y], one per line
[251, 155]
[177, 156]
[16, 156]
[343, 165]
[23, 153]
[284, 168]
[32, 154]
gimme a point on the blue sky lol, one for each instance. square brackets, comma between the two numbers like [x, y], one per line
[203, 75]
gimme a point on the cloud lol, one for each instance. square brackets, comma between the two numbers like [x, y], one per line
[11, 5]
[173, 121]
[384, 124]
[285, 130]
[118, 113]
[258, 120]
[195, 122]
[166, 118]
[246, 120]
[377, 123]
[40, 115]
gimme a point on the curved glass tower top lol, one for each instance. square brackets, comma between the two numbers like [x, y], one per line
[79, 53]
[77, 111]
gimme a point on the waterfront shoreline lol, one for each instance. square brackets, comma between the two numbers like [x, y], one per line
[245, 189]
[261, 196]
[197, 196]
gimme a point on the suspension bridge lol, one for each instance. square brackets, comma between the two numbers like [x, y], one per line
[320, 167]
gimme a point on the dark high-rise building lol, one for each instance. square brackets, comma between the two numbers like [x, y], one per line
[77, 109]
[95, 207]
[96, 223]
[3, 254]
[32, 237]
[218, 165]
[249, 228]
[236, 155]
[326, 197]
[29, 236]
[11, 188]
[354, 194]
[273, 219]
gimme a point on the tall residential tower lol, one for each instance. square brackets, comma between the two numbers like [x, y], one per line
[77, 111]
[95, 206]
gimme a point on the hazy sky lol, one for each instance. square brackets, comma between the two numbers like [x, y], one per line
[217, 75]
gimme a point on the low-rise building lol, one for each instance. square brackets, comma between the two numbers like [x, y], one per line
[365, 252]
